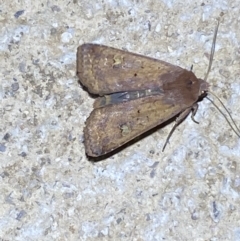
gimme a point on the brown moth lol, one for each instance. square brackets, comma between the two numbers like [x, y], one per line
[136, 93]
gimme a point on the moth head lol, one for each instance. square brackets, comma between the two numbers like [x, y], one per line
[204, 86]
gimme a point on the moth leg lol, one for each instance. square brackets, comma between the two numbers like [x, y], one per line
[194, 109]
[180, 118]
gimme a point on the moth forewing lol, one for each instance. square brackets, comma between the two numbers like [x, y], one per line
[111, 126]
[105, 70]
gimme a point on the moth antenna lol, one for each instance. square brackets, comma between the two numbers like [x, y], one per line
[212, 51]
[237, 133]
[209, 69]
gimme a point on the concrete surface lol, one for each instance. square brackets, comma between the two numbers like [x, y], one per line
[50, 190]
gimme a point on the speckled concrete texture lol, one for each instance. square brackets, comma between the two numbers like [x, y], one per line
[50, 190]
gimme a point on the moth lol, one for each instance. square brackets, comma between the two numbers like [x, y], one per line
[135, 94]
